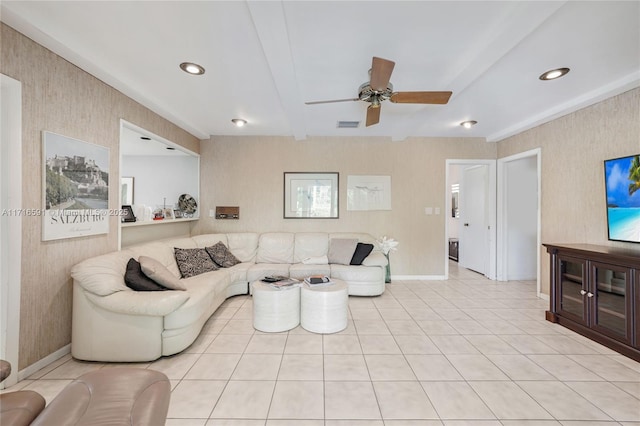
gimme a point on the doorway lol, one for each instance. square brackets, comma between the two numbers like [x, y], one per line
[11, 222]
[483, 238]
[518, 256]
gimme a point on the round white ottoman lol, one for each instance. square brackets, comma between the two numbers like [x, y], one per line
[324, 307]
[275, 310]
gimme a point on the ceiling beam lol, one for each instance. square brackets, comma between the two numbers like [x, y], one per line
[497, 43]
[270, 24]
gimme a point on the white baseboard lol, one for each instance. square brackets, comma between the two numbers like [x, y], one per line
[543, 296]
[417, 278]
[24, 373]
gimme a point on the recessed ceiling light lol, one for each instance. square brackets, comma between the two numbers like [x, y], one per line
[239, 122]
[553, 74]
[170, 148]
[191, 68]
[468, 124]
[145, 138]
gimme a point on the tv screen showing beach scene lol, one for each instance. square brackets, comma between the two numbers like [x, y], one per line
[622, 181]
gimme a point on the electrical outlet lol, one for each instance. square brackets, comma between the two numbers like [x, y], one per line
[428, 210]
[437, 210]
[212, 213]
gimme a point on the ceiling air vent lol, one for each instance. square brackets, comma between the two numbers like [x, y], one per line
[348, 124]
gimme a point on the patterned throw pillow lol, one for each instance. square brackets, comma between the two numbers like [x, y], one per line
[221, 255]
[192, 262]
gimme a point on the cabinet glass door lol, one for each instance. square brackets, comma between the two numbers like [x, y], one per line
[572, 291]
[612, 305]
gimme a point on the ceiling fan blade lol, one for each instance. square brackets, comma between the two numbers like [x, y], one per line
[440, 98]
[332, 101]
[381, 70]
[373, 115]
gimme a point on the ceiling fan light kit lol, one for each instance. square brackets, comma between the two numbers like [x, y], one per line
[379, 89]
[553, 74]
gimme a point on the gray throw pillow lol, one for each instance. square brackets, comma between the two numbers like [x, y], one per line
[157, 272]
[341, 250]
[221, 255]
[192, 262]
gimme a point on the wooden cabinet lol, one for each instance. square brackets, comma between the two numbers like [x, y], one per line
[595, 291]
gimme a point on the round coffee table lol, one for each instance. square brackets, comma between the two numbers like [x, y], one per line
[324, 307]
[275, 310]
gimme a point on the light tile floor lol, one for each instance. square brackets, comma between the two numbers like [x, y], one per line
[467, 351]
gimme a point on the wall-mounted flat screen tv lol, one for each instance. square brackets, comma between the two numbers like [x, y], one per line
[622, 182]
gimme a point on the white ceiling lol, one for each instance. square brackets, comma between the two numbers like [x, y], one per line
[265, 59]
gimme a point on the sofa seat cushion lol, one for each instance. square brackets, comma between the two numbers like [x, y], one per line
[300, 271]
[258, 271]
[356, 273]
[202, 290]
[238, 273]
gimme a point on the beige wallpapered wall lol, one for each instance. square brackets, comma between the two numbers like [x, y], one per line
[574, 147]
[61, 98]
[248, 172]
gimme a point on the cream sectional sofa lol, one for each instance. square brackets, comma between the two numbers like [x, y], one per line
[113, 323]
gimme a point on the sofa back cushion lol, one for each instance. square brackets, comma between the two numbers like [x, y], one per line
[243, 245]
[208, 240]
[310, 245]
[362, 237]
[275, 247]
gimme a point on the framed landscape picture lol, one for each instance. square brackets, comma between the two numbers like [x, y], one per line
[75, 188]
[310, 195]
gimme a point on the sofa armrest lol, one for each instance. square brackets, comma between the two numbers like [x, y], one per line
[375, 258]
[148, 303]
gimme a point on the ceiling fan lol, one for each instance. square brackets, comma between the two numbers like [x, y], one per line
[379, 89]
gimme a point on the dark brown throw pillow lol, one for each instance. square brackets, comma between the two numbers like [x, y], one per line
[362, 251]
[192, 262]
[136, 280]
[221, 255]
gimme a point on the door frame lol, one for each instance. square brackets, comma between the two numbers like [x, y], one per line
[11, 227]
[491, 219]
[502, 230]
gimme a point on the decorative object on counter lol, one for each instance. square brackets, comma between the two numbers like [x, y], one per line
[188, 205]
[177, 214]
[127, 214]
[227, 212]
[157, 214]
[168, 213]
[387, 245]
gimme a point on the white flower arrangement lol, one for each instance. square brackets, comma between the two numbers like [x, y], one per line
[387, 244]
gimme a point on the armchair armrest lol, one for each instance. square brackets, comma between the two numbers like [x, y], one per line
[375, 258]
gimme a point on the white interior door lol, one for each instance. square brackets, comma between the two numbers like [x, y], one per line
[473, 249]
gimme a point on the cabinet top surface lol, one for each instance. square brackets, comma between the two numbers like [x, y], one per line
[586, 250]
